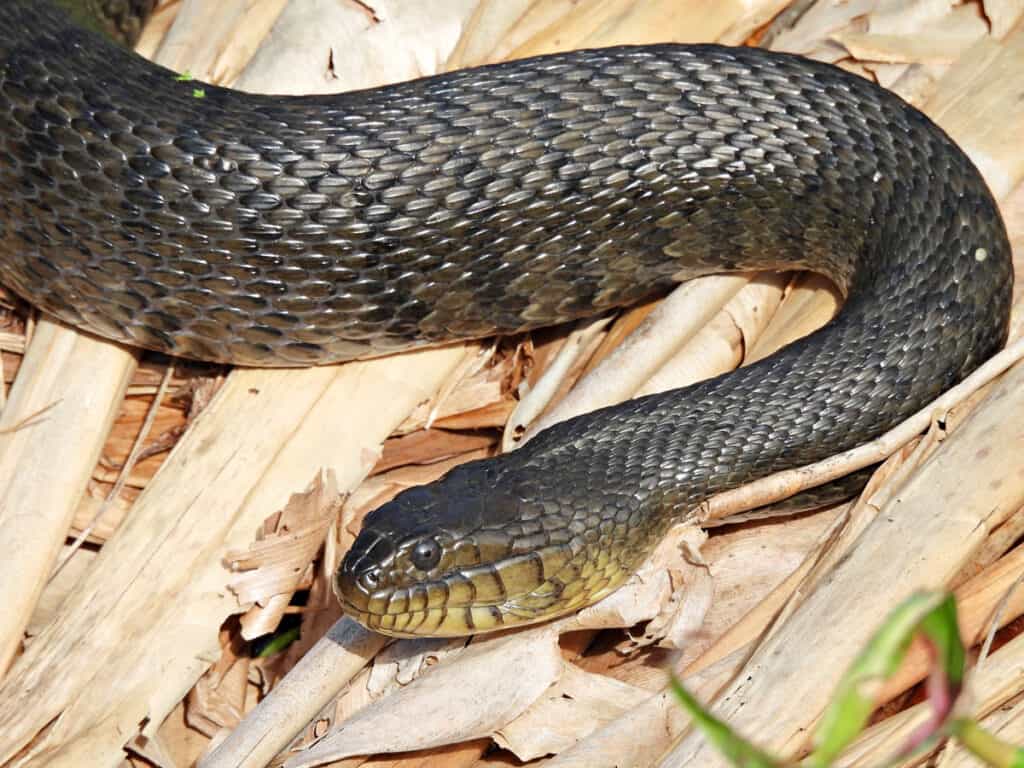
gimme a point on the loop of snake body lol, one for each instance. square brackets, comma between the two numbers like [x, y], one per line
[268, 230]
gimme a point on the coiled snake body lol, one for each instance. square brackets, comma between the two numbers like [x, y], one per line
[265, 230]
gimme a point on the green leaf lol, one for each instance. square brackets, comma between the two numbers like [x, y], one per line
[279, 642]
[740, 753]
[942, 630]
[932, 613]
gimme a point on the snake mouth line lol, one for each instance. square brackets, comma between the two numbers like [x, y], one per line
[469, 600]
[458, 608]
[476, 618]
[438, 621]
[475, 613]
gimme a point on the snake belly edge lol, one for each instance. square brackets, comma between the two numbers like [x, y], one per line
[269, 230]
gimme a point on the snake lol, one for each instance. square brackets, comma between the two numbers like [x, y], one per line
[271, 230]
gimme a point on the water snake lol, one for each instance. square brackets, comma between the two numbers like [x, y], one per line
[270, 230]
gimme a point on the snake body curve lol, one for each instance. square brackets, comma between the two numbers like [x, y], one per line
[267, 230]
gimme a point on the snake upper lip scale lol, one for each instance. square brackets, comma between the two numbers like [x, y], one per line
[268, 230]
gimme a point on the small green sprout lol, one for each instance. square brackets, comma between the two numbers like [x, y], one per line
[187, 77]
[932, 615]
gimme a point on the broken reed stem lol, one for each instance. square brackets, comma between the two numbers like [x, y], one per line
[781, 485]
[52, 430]
[124, 474]
[688, 309]
[309, 686]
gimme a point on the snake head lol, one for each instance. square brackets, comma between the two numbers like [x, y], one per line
[462, 556]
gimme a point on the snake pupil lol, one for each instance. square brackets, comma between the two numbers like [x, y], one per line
[426, 554]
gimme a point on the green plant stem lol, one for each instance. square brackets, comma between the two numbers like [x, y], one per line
[739, 752]
[986, 747]
[279, 642]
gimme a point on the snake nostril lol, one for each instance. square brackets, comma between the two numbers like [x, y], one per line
[370, 580]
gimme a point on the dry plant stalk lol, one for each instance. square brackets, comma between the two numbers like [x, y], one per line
[559, 376]
[723, 344]
[174, 542]
[689, 308]
[781, 485]
[195, 42]
[811, 301]
[51, 433]
[979, 103]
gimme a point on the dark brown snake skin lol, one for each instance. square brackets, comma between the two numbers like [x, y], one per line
[265, 230]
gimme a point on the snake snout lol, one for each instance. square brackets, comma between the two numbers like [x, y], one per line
[467, 554]
[355, 586]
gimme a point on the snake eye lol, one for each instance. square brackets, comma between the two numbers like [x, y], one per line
[426, 554]
[370, 579]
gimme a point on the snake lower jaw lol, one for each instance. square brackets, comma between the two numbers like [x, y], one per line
[439, 621]
[451, 620]
[447, 620]
[466, 620]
